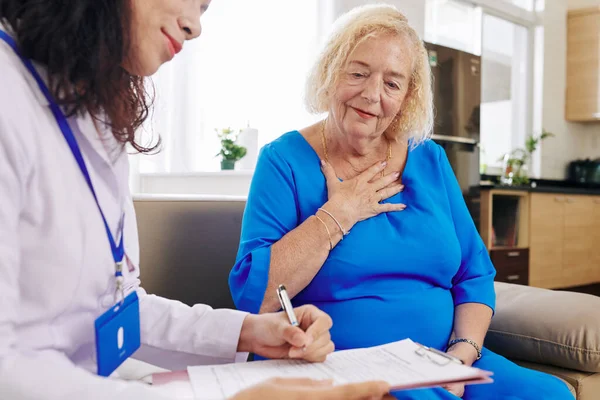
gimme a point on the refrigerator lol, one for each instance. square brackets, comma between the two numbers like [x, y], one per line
[456, 80]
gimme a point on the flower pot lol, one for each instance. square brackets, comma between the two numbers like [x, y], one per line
[227, 164]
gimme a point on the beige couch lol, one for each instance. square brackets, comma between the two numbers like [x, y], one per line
[188, 246]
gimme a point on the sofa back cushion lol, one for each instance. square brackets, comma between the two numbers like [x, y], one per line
[188, 246]
[544, 326]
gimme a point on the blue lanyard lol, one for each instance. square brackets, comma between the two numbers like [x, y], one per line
[117, 251]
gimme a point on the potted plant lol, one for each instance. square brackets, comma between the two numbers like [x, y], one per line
[230, 151]
[513, 173]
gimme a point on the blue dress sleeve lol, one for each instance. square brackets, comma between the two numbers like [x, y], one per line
[270, 214]
[474, 281]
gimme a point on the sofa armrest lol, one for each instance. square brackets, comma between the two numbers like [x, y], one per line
[546, 327]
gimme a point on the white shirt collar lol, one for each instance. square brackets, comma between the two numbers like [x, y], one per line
[28, 77]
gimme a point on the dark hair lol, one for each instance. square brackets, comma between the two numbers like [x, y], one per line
[82, 43]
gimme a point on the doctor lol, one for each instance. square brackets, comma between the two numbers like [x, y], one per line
[71, 309]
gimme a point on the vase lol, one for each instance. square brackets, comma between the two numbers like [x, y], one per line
[249, 139]
[227, 165]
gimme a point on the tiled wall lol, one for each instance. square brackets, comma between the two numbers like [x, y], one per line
[573, 140]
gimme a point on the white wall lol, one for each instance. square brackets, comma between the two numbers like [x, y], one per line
[414, 10]
[230, 183]
[574, 4]
[573, 140]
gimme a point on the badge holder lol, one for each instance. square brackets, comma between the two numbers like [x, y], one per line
[117, 331]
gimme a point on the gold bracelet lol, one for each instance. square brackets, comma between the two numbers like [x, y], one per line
[344, 233]
[328, 234]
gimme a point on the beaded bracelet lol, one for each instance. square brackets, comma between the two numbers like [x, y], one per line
[471, 342]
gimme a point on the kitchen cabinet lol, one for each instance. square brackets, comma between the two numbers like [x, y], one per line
[547, 237]
[512, 265]
[563, 243]
[578, 268]
[596, 252]
[549, 240]
[583, 65]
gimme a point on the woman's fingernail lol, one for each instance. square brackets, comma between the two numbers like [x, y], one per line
[322, 163]
[295, 352]
[403, 206]
[383, 163]
[396, 174]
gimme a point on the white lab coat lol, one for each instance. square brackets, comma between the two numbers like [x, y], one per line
[56, 265]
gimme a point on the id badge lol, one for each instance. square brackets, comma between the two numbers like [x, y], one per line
[117, 334]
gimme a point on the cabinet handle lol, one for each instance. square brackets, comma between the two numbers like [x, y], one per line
[559, 199]
[513, 253]
[513, 277]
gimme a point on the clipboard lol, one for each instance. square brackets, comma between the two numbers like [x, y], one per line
[403, 365]
[441, 359]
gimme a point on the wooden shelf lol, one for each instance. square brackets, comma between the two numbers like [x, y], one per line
[492, 215]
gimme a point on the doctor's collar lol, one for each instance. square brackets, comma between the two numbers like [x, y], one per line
[28, 77]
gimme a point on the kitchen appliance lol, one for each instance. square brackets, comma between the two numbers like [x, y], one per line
[457, 99]
[584, 171]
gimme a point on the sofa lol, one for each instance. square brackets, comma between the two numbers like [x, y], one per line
[188, 246]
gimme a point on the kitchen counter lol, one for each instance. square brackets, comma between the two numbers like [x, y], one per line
[546, 186]
[546, 189]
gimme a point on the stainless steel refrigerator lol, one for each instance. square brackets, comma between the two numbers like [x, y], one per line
[457, 99]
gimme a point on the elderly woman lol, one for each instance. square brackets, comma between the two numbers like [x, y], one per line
[361, 214]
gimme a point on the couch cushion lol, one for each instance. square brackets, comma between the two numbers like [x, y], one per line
[188, 246]
[546, 327]
[584, 385]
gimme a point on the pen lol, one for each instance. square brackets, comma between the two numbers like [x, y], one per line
[286, 305]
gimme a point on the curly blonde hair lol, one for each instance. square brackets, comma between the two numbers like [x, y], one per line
[415, 118]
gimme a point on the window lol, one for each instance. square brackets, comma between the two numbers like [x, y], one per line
[453, 24]
[528, 5]
[504, 86]
[505, 52]
[248, 67]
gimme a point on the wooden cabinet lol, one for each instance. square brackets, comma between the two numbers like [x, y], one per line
[596, 238]
[547, 240]
[578, 268]
[564, 232]
[547, 236]
[504, 228]
[583, 65]
[512, 265]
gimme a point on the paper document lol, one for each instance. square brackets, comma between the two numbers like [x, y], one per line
[403, 364]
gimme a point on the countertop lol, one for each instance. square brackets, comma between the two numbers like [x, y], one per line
[547, 186]
[546, 189]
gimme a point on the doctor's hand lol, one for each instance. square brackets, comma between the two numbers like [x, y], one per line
[300, 389]
[272, 336]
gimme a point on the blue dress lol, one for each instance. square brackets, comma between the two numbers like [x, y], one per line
[397, 275]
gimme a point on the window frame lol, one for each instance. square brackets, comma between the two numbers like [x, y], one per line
[532, 21]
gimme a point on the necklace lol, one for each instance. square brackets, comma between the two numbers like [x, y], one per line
[324, 143]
